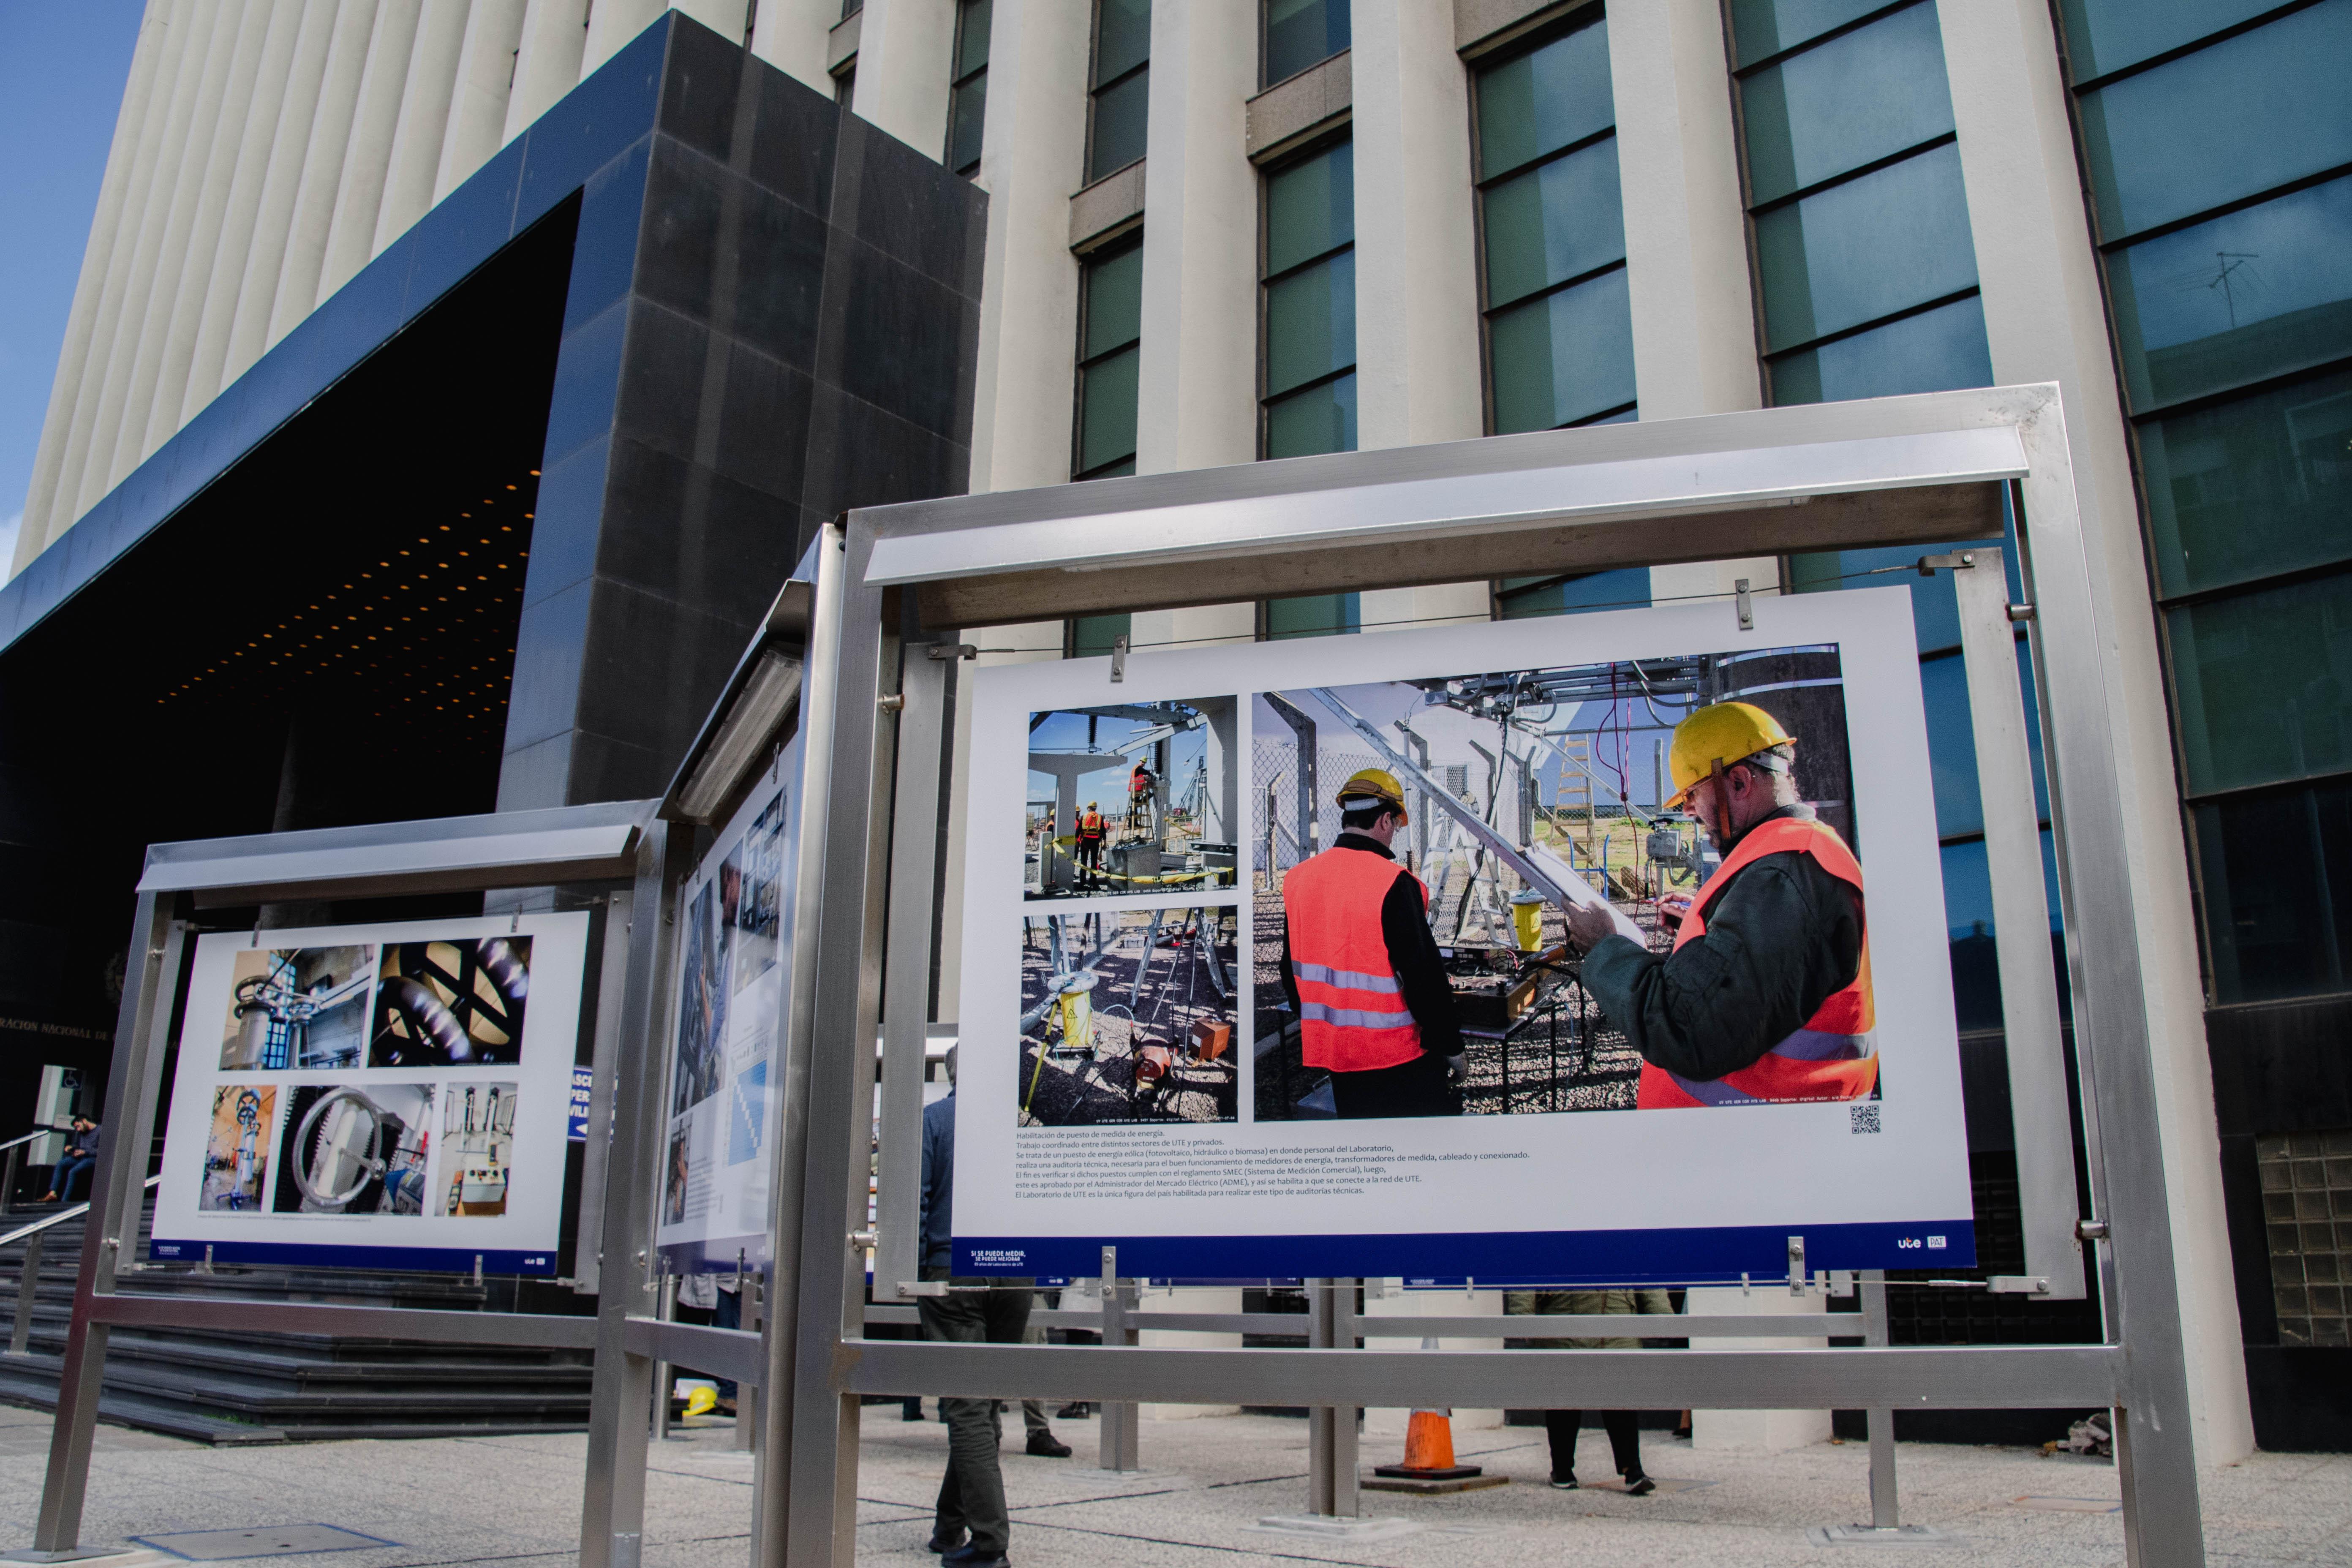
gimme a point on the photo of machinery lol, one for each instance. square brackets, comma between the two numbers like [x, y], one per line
[237, 1150]
[1128, 1015]
[303, 1008]
[451, 1004]
[703, 998]
[1131, 797]
[476, 1148]
[355, 1149]
[1523, 788]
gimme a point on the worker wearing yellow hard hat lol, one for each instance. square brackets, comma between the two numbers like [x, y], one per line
[1363, 971]
[1766, 997]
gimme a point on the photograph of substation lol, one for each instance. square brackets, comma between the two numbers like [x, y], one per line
[1130, 797]
[1128, 1016]
[1557, 772]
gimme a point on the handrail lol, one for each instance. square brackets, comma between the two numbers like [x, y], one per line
[39, 1226]
[35, 1133]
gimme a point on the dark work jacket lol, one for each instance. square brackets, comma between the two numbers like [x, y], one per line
[1781, 936]
[938, 1179]
[1412, 953]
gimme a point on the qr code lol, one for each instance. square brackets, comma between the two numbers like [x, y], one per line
[1866, 1118]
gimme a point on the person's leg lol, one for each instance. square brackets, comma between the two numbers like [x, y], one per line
[1000, 1316]
[957, 1316]
[1417, 1088]
[78, 1173]
[1559, 1428]
[1624, 1427]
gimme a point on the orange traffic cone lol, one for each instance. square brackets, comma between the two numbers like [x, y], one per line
[1429, 1451]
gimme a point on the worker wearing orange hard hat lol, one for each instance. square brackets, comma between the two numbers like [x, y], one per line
[1766, 997]
[1362, 970]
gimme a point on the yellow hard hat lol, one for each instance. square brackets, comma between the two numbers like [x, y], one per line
[1727, 732]
[1377, 782]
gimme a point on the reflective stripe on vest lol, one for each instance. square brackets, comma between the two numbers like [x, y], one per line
[1352, 1016]
[1834, 1055]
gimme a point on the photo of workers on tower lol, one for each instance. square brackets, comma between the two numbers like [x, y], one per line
[304, 1008]
[1602, 887]
[451, 1004]
[1131, 797]
[236, 1150]
[1128, 1016]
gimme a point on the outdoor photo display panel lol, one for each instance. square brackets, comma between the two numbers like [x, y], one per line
[726, 1061]
[1533, 757]
[390, 1096]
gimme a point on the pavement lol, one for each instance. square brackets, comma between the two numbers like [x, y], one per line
[515, 1501]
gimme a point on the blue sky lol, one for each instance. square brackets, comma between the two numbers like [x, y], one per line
[62, 67]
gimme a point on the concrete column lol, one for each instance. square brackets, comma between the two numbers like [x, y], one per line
[905, 60]
[547, 65]
[319, 194]
[179, 179]
[1758, 1431]
[1396, 1303]
[613, 23]
[1197, 396]
[367, 153]
[423, 124]
[724, 18]
[273, 221]
[2046, 321]
[1033, 154]
[488, 61]
[791, 36]
[141, 94]
[241, 213]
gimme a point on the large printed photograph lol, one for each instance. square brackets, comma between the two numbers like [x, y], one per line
[300, 1008]
[451, 1004]
[1127, 1015]
[356, 1149]
[1483, 805]
[1130, 798]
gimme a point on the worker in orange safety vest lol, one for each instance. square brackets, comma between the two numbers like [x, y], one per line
[1363, 971]
[1766, 997]
[1090, 838]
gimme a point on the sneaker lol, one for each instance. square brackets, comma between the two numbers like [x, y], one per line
[1046, 1446]
[943, 1544]
[1075, 1410]
[1639, 1484]
[970, 1557]
[1564, 1483]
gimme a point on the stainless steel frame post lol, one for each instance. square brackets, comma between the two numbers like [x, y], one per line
[117, 1188]
[613, 1509]
[1118, 1422]
[1331, 1449]
[1885, 1509]
[604, 1052]
[906, 983]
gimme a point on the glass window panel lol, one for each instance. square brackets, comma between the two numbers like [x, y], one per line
[1951, 747]
[1310, 324]
[1544, 99]
[1122, 36]
[1312, 616]
[1301, 33]
[1934, 351]
[2264, 685]
[1310, 207]
[964, 121]
[1866, 249]
[1092, 637]
[1761, 27]
[972, 36]
[2278, 901]
[1519, 599]
[2105, 35]
[1114, 301]
[1968, 924]
[2243, 115]
[1851, 101]
[1564, 357]
[1107, 413]
[1320, 419]
[2260, 485]
[1120, 115]
[1553, 223]
[1935, 612]
[2253, 294]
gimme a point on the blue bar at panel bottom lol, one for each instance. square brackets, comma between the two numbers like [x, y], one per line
[309, 1255]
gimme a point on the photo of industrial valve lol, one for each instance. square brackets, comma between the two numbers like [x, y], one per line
[302, 1008]
[1128, 1016]
[451, 1004]
[237, 1152]
[355, 1149]
[478, 1149]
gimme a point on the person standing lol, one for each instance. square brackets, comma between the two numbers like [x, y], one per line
[1562, 1427]
[1766, 997]
[79, 1163]
[1090, 839]
[1362, 970]
[969, 1527]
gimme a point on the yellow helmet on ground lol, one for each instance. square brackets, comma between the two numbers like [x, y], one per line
[1727, 732]
[1372, 783]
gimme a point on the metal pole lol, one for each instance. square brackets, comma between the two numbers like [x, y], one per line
[8, 1182]
[907, 986]
[604, 1055]
[612, 1506]
[1885, 1512]
[665, 1309]
[1120, 1431]
[1331, 1458]
[117, 1186]
[747, 1395]
[27, 1283]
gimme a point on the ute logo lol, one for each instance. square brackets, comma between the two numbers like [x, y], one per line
[1909, 1242]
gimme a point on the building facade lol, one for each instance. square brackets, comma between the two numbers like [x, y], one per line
[1222, 231]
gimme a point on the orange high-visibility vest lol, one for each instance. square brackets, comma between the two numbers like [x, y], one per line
[1352, 1014]
[1090, 824]
[1834, 1055]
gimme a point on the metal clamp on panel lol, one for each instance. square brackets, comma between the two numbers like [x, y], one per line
[922, 1288]
[2018, 1285]
[943, 652]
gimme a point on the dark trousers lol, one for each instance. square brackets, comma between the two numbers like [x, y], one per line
[73, 1169]
[971, 1494]
[1624, 1429]
[1417, 1088]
